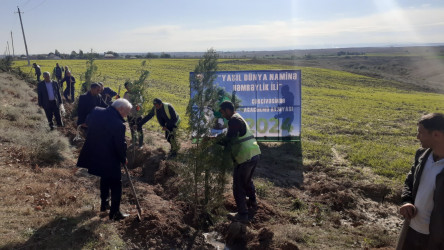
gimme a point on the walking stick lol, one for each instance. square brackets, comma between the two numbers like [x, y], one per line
[403, 234]
[139, 210]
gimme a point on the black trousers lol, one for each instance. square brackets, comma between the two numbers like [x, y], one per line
[69, 91]
[135, 121]
[53, 111]
[115, 185]
[243, 184]
[415, 240]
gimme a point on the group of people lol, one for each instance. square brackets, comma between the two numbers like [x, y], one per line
[69, 91]
[105, 147]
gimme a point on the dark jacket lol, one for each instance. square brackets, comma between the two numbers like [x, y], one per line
[58, 71]
[87, 103]
[70, 82]
[105, 146]
[410, 190]
[107, 95]
[43, 99]
[162, 117]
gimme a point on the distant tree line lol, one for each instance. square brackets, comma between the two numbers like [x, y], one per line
[348, 53]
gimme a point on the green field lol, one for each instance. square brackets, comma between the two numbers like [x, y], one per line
[370, 122]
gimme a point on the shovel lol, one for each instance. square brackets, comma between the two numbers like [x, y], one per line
[139, 210]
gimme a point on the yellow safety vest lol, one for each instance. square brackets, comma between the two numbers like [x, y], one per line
[245, 147]
[167, 112]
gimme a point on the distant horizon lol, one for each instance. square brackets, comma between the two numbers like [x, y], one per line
[265, 50]
[195, 26]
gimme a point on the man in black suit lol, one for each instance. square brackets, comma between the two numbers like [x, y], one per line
[49, 99]
[87, 102]
[104, 152]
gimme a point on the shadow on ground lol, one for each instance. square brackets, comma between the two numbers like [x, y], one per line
[62, 233]
[281, 163]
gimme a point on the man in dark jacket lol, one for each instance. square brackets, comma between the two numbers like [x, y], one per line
[49, 99]
[168, 120]
[87, 102]
[38, 71]
[70, 83]
[107, 94]
[58, 73]
[104, 152]
[423, 192]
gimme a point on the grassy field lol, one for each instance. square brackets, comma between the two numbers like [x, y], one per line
[370, 122]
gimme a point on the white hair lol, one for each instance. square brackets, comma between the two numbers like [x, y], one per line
[46, 73]
[122, 103]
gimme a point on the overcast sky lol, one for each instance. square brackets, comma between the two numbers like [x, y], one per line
[228, 25]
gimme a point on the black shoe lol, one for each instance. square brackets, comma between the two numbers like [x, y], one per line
[242, 218]
[118, 216]
[104, 206]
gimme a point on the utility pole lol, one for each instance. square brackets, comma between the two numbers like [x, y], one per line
[12, 41]
[9, 51]
[24, 38]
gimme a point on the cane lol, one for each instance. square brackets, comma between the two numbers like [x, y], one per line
[139, 210]
[403, 234]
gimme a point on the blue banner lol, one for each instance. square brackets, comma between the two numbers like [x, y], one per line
[269, 100]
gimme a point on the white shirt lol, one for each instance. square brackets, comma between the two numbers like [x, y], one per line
[424, 197]
[50, 91]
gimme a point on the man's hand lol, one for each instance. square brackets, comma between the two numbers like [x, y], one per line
[164, 129]
[408, 211]
[84, 125]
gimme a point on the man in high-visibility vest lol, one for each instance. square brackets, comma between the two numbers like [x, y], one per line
[245, 153]
[169, 121]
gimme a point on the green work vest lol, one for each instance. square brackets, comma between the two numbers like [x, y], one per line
[167, 112]
[243, 148]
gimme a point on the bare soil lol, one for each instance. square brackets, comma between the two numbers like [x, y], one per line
[301, 204]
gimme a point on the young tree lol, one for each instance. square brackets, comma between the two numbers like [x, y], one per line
[206, 163]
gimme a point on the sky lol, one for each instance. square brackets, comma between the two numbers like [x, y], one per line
[229, 25]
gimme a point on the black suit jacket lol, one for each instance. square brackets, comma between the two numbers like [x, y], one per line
[43, 98]
[105, 147]
[87, 103]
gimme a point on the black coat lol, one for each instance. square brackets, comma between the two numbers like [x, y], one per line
[43, 99]
[436, 227]
[87, 102]
[105, 146]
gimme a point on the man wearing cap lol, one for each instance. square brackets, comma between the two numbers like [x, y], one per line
[245, 153]
[49, 99]
[168, 120]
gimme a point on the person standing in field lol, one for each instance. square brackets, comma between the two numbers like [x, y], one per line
[38, 71]
[58, 73]
[70, 86]
[245, 153]
[134, 117]
[169, 121]
[104, 151]
[49, 99]
[423, 191]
